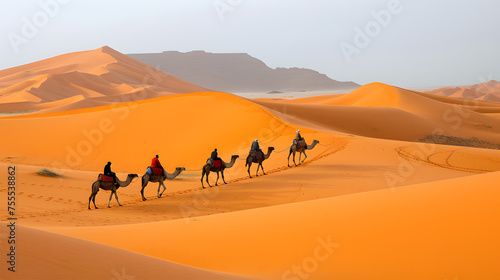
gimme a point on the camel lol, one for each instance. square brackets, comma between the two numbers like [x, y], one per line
[160, 179]
[109, 186]
[251, 159]
[207, 168]
[301, 150]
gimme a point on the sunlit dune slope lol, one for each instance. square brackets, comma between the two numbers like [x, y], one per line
[182, 129]
[98, 73]
[45, 255]
[438, 230]
[383, 111]
[487, 91]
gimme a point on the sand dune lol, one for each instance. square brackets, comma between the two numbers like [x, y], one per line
[158, 126]
[92, 74]
[417, 232]
[487, 91]
[383, 111]
[269, 241]
[52, 256]
[368, 203]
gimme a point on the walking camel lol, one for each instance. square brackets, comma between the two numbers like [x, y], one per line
[160, 179]
[207, 168]
[258, 159]
[109, 186]
[300, 147]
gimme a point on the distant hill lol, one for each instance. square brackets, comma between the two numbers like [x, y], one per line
[488, 91]
[238, 72]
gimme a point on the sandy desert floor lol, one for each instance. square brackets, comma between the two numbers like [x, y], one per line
[367, 203]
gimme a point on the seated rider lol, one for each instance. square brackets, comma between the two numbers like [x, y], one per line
[298, 137]
[214, 156]
[255, 147]
[107, 172]
[155, 163]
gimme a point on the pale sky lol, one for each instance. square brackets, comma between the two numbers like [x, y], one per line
[407, 43]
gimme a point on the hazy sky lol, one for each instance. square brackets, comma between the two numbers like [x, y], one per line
[419, 43]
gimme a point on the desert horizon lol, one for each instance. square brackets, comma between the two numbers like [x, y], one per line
[196, 142]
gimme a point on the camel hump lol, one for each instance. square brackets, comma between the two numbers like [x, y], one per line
[301, 143]
[256, 156]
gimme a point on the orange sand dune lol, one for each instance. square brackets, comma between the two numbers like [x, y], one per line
[383, 111]
[52, 256]
[92, 74]
[331, 170]
[378, 94]
[366, 204]
[386, 205]
[86, 139]
[425, 231]
[488, 91]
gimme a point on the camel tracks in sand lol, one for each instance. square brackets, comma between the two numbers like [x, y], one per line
[440, 159]
[337, 145]
[49, 198]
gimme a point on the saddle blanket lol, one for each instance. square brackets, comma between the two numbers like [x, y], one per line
[157, 170]
[215, 163]
[105, 178]
[257, 155]
[301, 143]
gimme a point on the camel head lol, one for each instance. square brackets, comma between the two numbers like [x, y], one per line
[235, 156]
[270, 149]
[180, 169]
[316, 141]
[132, 176]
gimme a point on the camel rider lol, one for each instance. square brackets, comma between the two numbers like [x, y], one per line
[215, 156]
[255, 147]
[107, 172]
[155, 163]
[298, 137]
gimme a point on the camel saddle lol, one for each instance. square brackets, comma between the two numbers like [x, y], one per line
[105, 178]
[301, 143]
[157, 170]
[257, 155]
[214, 163]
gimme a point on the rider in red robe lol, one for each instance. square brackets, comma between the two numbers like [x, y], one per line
[155, 163]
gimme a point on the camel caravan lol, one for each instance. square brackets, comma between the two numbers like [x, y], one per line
[157, 174]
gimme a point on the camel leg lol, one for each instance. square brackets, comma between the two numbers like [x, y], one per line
[142, 193]
[217, 178]
[202, 175]
[93, 194]
[208, 172]
[90, 198]
[262, 167]
[162, 183]
[144, 184]
[257, 172]
[304, 155]
[249, 164]
[222, 173]
[93, 200]
[116, 196]
[109, 201]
